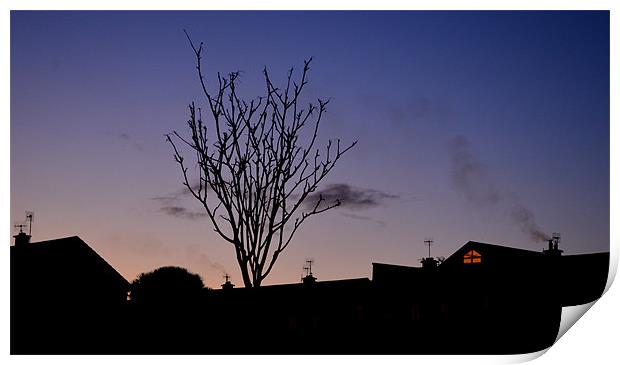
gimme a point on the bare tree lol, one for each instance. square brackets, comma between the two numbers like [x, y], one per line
[254, 172]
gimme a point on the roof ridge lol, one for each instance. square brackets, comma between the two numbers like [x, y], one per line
[84, 245]
[499, 246]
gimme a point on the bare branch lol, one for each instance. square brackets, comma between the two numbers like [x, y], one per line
[255, 163]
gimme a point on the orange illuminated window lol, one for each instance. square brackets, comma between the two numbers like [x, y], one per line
[472, 257]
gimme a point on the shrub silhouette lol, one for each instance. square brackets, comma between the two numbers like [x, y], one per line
[166, 285]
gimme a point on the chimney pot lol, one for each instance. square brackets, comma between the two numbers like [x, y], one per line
[22, 239]
[309, 280]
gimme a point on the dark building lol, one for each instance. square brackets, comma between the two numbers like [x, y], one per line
[486, 298]
[63, 296]
[309, 317]
[483, 299]
[576, 279]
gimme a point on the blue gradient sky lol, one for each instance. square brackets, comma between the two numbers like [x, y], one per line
[92, 94]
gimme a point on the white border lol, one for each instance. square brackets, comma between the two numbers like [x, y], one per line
[594, 337]
[314, 5]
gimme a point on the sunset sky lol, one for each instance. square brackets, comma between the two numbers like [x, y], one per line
[487, 126]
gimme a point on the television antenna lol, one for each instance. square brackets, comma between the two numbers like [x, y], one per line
[21, 227]
[308, 267]
[428, 242]
[30, 218]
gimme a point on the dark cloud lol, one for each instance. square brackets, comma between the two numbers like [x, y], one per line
[470, 179]
[350, 197]
[171, 204]
[173, 198]
[181, 212]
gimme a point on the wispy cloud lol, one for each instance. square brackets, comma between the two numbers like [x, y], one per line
[364, 218]
[172, 204]
[182, 212]
[166, 200]
[176, 196]
[128, 140]
[350, 197]
[195, 186]
[357, 216]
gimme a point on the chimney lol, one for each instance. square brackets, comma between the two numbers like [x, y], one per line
[227, 285]
[429, 263]
[22, 238]
[553, 249]
[308, 279]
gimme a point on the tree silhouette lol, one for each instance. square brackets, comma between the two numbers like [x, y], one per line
[253, 171]
[165, 285]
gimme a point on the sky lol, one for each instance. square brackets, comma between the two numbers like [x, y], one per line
[486, 126]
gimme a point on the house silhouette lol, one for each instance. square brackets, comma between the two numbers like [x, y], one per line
[61, 290]
[484, 299]
[487, 298]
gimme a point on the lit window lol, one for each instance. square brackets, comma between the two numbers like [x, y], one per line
[472, 257]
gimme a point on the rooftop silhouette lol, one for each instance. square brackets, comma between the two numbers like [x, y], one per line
[484, 299]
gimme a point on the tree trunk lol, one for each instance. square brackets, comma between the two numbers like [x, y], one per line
[247, 282]
[257, 282]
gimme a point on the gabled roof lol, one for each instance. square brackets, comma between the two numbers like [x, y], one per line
[67, 259]
[496, 253]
